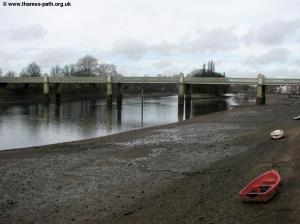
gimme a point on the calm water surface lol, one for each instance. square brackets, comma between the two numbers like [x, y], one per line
[39, 124]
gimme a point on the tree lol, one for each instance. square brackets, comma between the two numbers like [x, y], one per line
[0, 72]
[69, 70]
[107, 69]
[56, 71]
[10, 74]
[32, 70]
[87, 66]
[209, 72]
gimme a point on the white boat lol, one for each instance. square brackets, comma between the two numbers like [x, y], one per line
[297, 117]
[277, 134]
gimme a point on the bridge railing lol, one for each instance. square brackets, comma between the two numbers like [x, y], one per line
[220, 81]
[154, 80]
[99, 79]
[124, 79]
[276, 82]
[21, 79]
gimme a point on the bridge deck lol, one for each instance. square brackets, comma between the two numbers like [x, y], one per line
[154, 80]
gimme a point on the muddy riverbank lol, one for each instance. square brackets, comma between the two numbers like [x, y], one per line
[187, 172]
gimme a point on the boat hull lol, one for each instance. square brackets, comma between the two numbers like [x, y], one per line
[262, 188]
[296, 118]
[277, 134]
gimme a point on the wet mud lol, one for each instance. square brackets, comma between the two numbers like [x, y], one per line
[187, 172]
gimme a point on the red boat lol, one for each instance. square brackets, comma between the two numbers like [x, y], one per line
[262, 188]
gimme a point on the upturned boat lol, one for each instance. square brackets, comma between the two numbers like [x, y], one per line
[277, 134]
[297, 117]
[262, 188]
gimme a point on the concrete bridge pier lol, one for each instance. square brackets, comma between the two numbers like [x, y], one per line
[119, 95]
[57, 93]
[181, 88]
[109, 96]
[119, 104]
[181, 92]
[46, 90]
[187, 101]
[260, 90]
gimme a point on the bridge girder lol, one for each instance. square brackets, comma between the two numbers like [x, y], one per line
[153, 80]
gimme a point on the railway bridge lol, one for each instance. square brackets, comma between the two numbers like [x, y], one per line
[184, 84]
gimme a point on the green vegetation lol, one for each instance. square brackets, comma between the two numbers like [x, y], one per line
[209, 72]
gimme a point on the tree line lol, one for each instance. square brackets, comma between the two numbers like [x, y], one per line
[85, 66]
[89, 66]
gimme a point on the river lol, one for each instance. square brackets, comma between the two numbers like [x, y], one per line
[39, 124]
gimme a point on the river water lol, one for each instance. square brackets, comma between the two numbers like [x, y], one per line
[39, 124]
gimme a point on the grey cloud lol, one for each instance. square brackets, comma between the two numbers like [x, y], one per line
[50, 57]
[275, 55]
[218, 39]
[296, 62]
[282, 72]
[133, 49]
[10, 56]
[271, 33]
[25, 33]
[162, 64]
[171, 70]
[163, 48]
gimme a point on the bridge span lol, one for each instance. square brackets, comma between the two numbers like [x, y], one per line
[184, 84]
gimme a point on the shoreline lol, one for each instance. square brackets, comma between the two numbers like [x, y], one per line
[125, 132]
[184, 172]
[129, 131]
[11, 101]
[138, 128]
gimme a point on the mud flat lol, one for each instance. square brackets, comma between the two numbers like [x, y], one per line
[187, 172]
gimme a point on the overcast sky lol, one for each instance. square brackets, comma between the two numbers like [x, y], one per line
[149, 37]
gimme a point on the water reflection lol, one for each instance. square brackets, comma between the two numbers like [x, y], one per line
[204, 106]
[39, 124]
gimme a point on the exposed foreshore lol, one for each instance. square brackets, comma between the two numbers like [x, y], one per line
[186, 172]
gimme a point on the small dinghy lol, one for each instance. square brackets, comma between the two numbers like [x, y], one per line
[262, 188]
[277, 134]
[297, 117]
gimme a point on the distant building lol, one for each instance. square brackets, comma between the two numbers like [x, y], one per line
[281, 89]
[288, 89]
[295, 90]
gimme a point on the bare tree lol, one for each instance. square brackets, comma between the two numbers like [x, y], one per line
[32, 70]
[107, 69]
[69, 70]
[87, 66]
[56, 71]
[11, 74]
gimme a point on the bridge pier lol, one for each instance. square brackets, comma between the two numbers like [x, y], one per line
[46, 90]
[119, 95]
[181, 92]
[109, 96]
[260, 90]
[187, 101]
[119, 104]
[57, 93]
